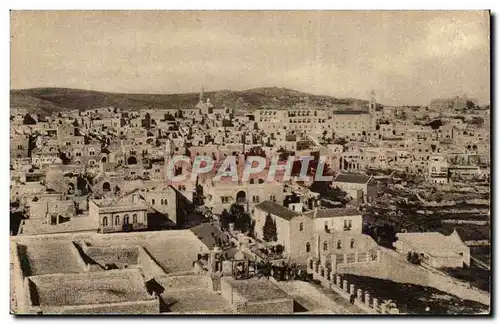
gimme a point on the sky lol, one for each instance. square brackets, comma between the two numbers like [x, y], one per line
[406, 57]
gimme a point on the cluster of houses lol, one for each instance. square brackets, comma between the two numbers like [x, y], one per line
[105, 169]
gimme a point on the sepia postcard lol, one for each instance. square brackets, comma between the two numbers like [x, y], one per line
[250, 162]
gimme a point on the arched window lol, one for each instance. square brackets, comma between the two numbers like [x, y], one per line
[301, 227]
[131, 160]
[105, 221]
[325, 246]
[165, 201]
[134, 218]
[352, 243]
[161, 201]
[308, 247]
[339, 244]
[117, 220]
[125, 220]
[106, 186]
[152, 201]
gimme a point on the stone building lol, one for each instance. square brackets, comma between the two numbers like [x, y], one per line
[294, 230]
[123, 214]
[359, 187]
[19, 146]
[309, 233]
[436, 249]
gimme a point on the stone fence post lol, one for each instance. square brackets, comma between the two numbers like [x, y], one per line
[334, 263]
[344, 286]
[367, 299]
[351, 289]
[375, 304]
[359, 294]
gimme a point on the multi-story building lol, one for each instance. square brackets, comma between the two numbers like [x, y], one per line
[123, 214]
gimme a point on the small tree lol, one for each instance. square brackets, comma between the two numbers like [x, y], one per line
[225, 219]
[269, 229]
[470, 104]
[242, 220]
[251, 230]
[280, 249]
[28, 120]
[414, 257]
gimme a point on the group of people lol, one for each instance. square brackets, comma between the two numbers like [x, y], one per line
[281, 272]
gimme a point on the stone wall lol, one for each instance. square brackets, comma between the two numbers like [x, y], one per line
[229, 294]
[137, 307]
[313, 292]
[148, 266]
[362, 299]
[268, 307]
[188, 282]
[395, 268]
[17, 280]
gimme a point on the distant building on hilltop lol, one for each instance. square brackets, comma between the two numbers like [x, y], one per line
[451, 103]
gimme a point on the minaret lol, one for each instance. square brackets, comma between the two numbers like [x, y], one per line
[373, 102]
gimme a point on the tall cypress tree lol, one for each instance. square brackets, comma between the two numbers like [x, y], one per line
[269, 229]
[275, 232]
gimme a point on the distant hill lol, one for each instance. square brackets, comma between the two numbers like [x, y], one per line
[49, 100]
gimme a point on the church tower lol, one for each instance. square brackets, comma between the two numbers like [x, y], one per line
[167, 156]
[372, 107]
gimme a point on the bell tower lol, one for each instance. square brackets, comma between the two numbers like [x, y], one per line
[372, 107]
[167, 156]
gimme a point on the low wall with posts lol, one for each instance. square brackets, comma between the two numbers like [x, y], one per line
[395, 267]
[338, 284]
[336, 262]
[347, 259]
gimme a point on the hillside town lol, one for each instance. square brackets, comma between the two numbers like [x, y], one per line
[100, 225]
